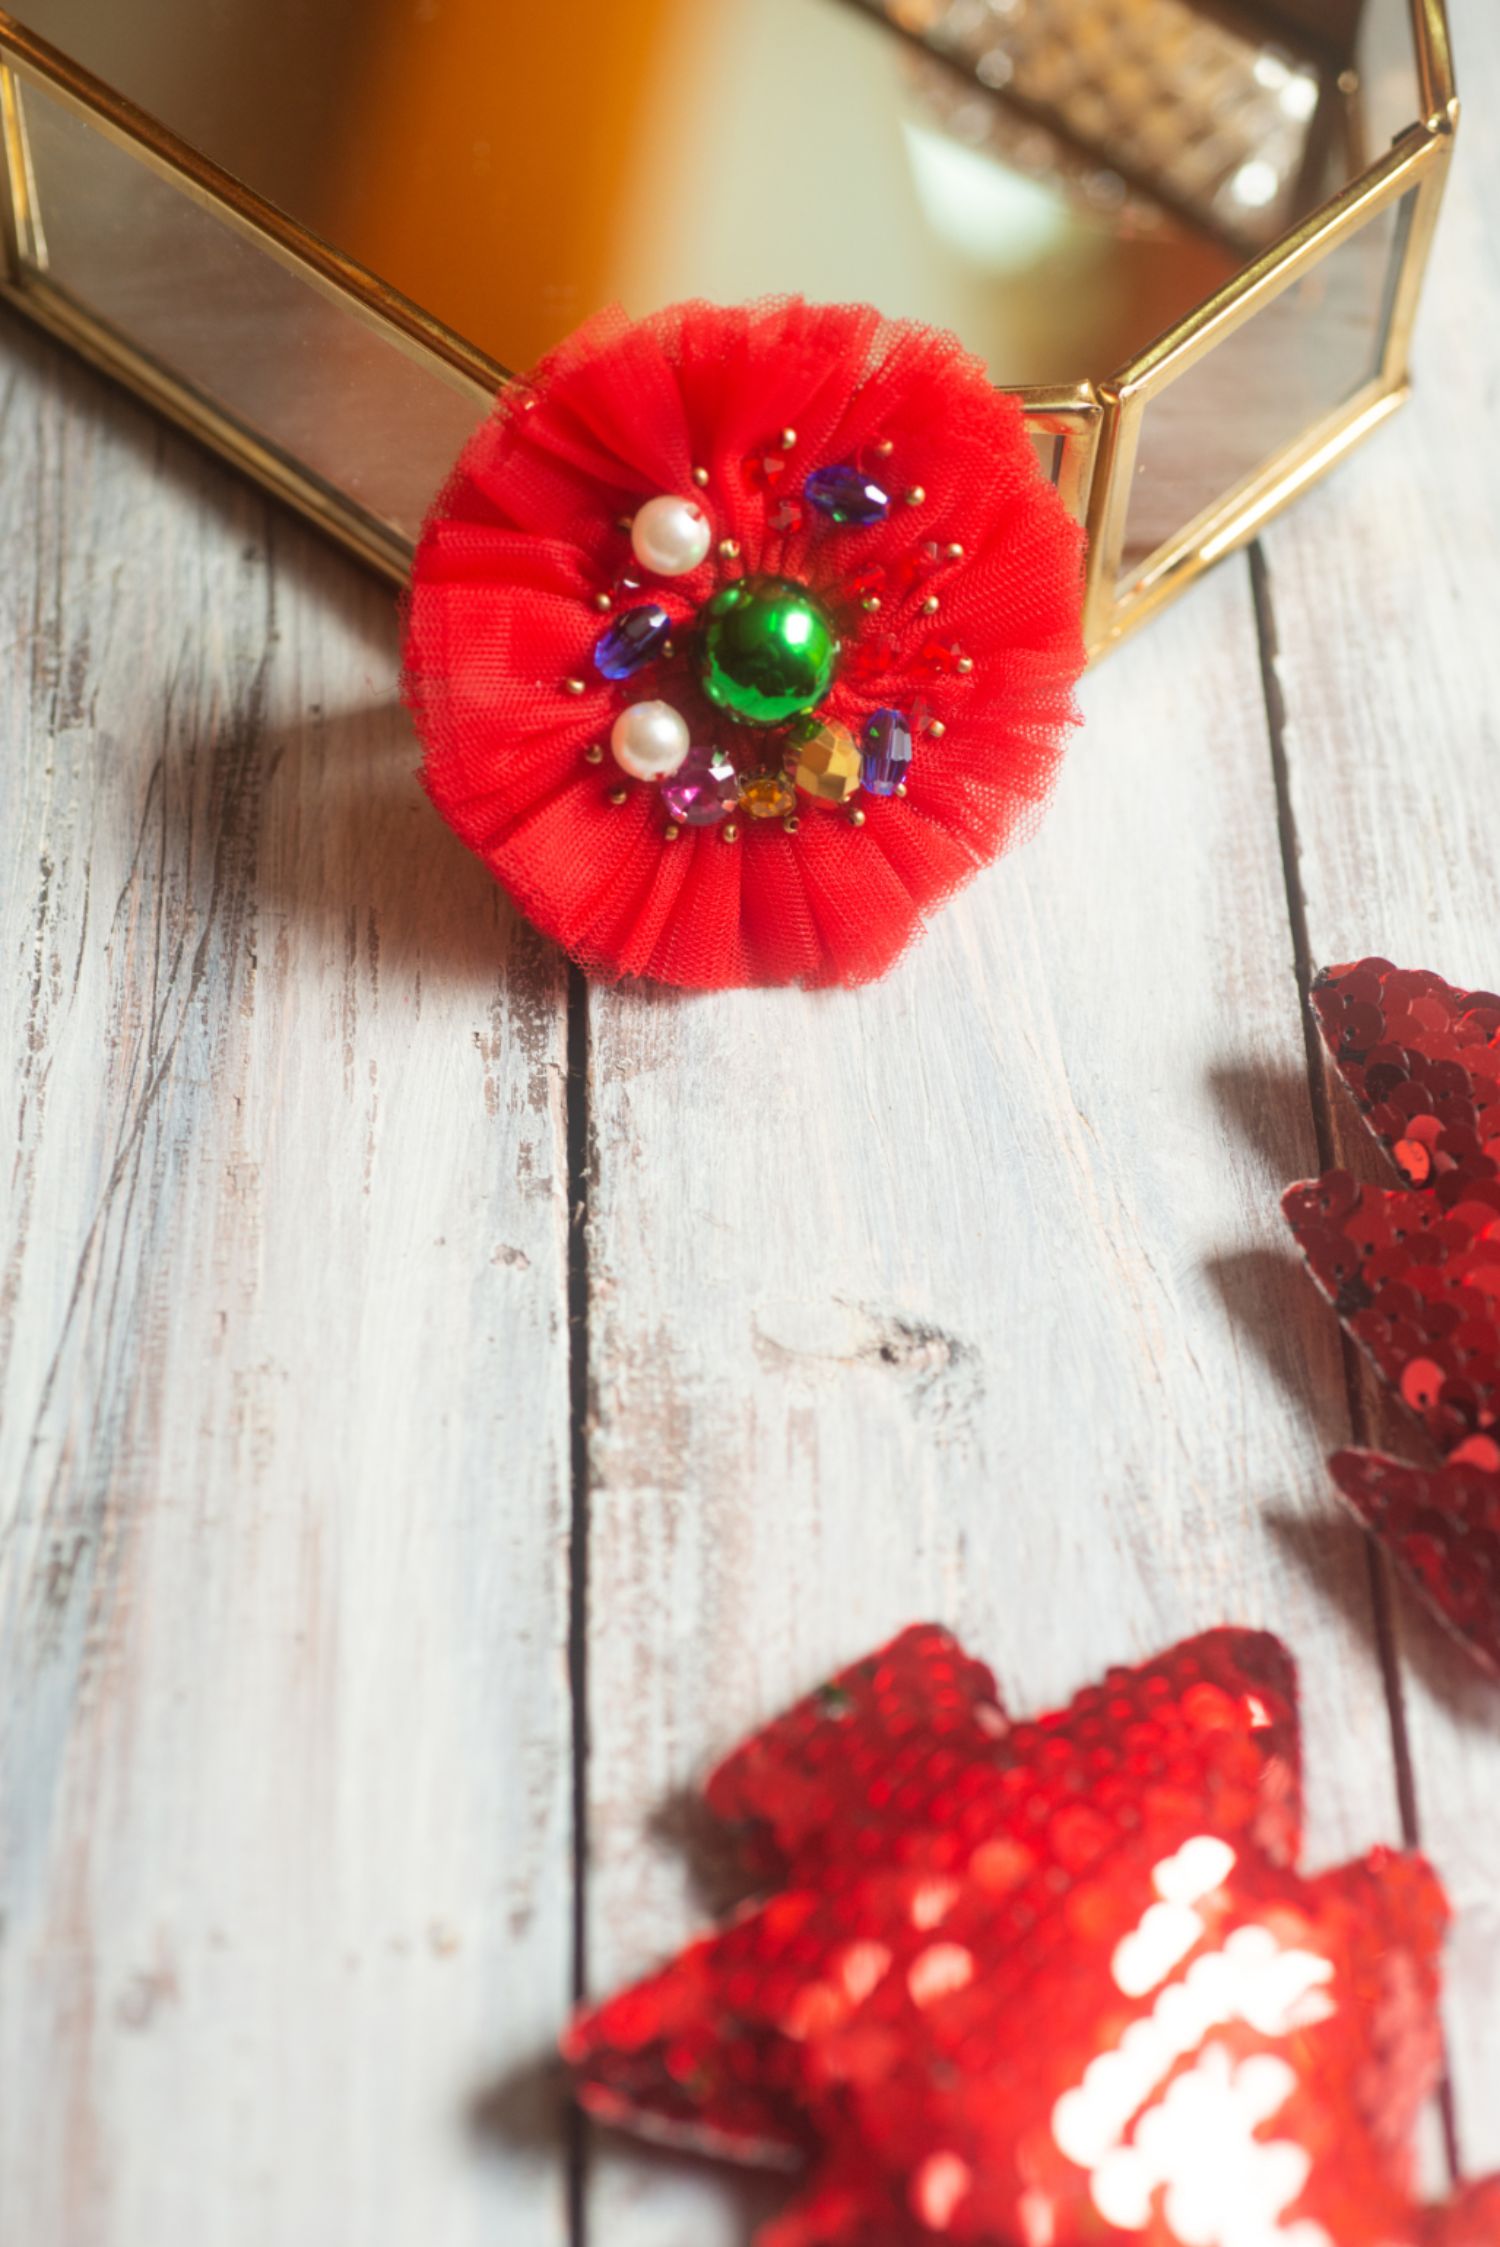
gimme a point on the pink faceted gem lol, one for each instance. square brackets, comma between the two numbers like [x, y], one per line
[703, 790]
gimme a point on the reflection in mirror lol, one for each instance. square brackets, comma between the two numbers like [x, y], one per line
[1061, 182]
[301, 374]
[1291, 364]
[1058, 180]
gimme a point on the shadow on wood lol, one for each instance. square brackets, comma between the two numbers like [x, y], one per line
[715, 1863]
[528, 2109]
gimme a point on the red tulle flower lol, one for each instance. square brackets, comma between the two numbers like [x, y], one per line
[1048, 1983]
[1414, 1272]
[880, 714]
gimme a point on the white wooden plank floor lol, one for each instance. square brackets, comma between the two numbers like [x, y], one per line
[351, 1482]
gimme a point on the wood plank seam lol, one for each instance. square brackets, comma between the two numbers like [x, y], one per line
[580, 1151]
[1382, 1589]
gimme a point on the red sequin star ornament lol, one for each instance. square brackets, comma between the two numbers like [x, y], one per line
[686, 548]
[1470, 2220]
[1414, 1272]
[1046, 1983]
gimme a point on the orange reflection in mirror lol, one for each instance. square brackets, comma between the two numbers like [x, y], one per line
[510, 241]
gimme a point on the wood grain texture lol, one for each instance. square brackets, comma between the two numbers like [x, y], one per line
[966, 1297]
[284, 1727]
[1384, 591]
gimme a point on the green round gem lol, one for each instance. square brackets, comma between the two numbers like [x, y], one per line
[769, 650]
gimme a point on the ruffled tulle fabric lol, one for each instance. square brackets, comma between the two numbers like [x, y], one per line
[501, 614]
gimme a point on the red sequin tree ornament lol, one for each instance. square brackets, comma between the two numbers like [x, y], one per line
[1471, 2219]
[1414, 1272]
[1045, 1983]
[786, 445]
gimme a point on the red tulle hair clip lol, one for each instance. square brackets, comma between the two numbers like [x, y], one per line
[741, 637]
[1414, 1272]
[1050, 1982]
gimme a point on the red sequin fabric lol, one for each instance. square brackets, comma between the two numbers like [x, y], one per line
[1414, 1271]
[1048, 1982]
[528, 554]
[1470, 2220]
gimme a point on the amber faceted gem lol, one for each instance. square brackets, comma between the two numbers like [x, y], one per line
[767, 795]
[828, 764]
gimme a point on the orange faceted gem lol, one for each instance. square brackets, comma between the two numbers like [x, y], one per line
[767, 795]
[828, 764]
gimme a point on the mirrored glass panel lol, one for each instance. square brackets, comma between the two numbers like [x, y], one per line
[1058, 180]
[1288, 367]
[301, 374]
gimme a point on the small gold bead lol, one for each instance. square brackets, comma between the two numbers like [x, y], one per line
[602, 602]
[730, 832]
[594, 754]
[856, 818]
[915, 496]
[624, 522]
[574, 686]
[729, 548]
[930, 605]
[870, 603]
[936, 728]
[955, 552]
[700, 475]
[966, 664]
[886, 447]
[670, 833]
[901, 788]
[618, 795]
[791, 823]
[788, 439]
[668, 647]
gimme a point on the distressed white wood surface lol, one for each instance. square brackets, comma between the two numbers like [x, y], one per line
[955, 1298]
[970, 1296]
[1385, 590]
[965, 1296]
[284, 1731]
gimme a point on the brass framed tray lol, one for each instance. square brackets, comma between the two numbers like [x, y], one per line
[1190, 234]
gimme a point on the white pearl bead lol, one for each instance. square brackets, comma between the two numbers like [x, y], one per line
[670, 536]
[650, 740]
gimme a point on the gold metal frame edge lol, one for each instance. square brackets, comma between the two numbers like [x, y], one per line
[1099, 423]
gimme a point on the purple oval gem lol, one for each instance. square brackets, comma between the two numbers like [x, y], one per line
[635, 638]
[703, 790]
[886, 747]
[846, 495]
